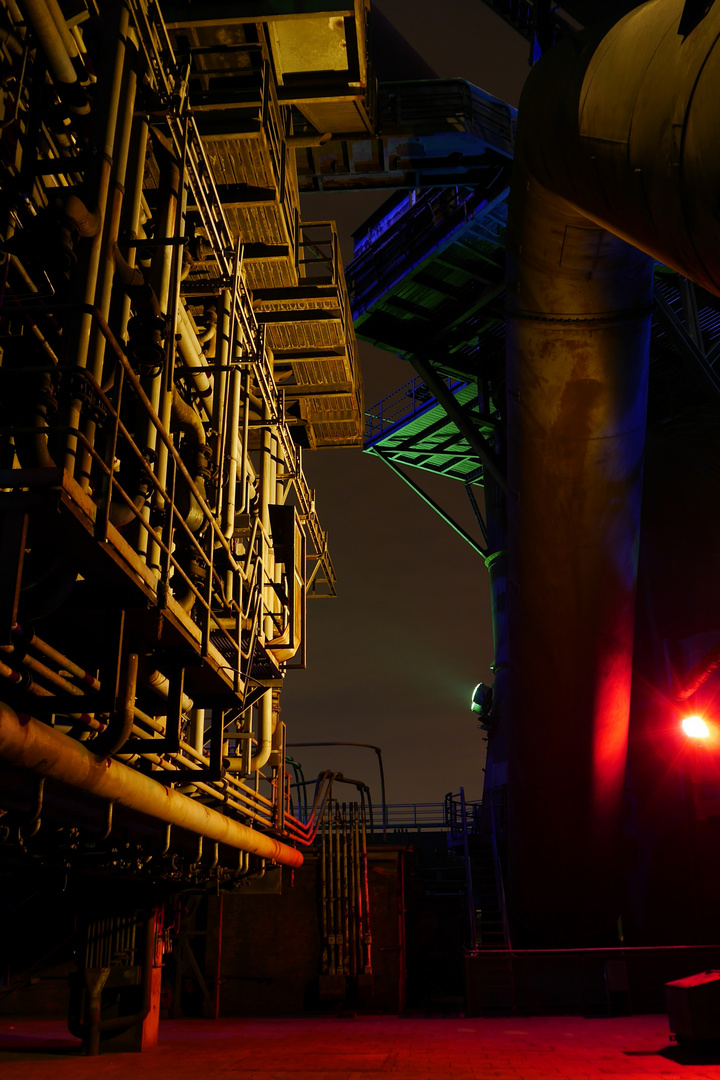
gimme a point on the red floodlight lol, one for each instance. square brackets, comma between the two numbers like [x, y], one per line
[695, 727]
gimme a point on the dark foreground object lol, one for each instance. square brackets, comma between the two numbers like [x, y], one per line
[367, 1048]
[694, 1010]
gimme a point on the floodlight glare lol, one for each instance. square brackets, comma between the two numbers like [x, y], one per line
[482, 699]
[695, 727]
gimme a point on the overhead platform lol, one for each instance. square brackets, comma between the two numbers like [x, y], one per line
[429, 271]
[242, 68]
[410, 427]
[428, 280]
[319, 52]
[310, 333]
[429, 133]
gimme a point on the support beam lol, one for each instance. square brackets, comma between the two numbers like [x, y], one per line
[310, 355]
[476, 511]
[465, 426]
[684, 343]
[431, 503]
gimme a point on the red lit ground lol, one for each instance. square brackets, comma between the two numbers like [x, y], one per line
[366, 1048]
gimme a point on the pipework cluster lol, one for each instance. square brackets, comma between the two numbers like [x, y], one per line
[167, 326]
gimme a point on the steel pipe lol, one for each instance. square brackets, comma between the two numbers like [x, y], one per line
[62, 661]
[29, 744]
[62, 28]
[234, 449]
[194, 358]
[222, 355]
[617, 142]
[262, 754]
[624, 125]
[106, 108]
[577, 346]
[161, 684]
[120, 727]
[40, 16]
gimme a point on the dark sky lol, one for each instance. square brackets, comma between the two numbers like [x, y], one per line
[393, 660]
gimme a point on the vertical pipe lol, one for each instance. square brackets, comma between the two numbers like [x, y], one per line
[170, 303]
[264, 750]
[279, 740]
[111, 224]
[331, 890]
[232, 442]
[342, 892]
[338, 893]
[618, 131]
[577, 345]
[220, 384]
[130, 229]
[325, 962]
[345, 892]
[105, 114]
[469, 894]
[267, 495]
[358, 891]
[222, 357]
[496, 564]
[367, 937]
[244, 444]
[218, 963]
[197, 729]
[352, 943]
[160, 279]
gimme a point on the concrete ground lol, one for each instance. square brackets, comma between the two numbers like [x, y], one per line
[367, 1048]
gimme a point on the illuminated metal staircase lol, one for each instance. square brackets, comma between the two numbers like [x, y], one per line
[427, 282]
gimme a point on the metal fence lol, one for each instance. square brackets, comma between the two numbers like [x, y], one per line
[420, 817]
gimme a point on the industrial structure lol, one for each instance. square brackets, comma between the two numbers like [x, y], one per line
[532, 380]
[595, 790]
[174, 336]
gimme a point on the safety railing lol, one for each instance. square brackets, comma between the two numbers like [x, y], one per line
[414, 817]
[410, 400]
[44, 671]
[244, 97]
[106, 410]
[113, 443]
[462, 815]
[409, 233]
[320, 262]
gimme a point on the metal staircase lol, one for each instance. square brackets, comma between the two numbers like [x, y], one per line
[475, 834]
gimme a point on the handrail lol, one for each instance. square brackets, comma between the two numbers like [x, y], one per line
[137, 479]
[392, 410]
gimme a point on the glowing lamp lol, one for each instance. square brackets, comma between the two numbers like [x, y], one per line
[695, 727]
[482, 699]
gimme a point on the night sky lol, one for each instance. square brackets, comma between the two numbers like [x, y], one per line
[393, 660]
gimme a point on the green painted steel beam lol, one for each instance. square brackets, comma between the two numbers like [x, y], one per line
[431, 503]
